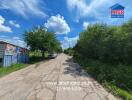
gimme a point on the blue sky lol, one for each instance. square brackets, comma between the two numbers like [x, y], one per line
[66, 17]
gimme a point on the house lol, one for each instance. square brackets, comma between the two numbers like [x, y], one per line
[117, 11]
[12, 54]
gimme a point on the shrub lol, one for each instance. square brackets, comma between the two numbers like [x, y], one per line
[106, 43]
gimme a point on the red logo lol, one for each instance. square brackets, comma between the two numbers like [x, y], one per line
[120, 12]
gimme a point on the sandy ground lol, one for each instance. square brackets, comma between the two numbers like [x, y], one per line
[56, 79]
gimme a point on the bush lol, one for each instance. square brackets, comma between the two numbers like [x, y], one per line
[117, 77]
[107, 52]
[106, 43]
[69, 51]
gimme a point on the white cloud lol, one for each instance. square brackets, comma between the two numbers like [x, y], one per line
[98, 10]
[84, 9]
[69, 42]
[13, 23]
[14, 40]
[85, 25]
[4, 28]
[23, 7]
[18, 41]
[57, 24]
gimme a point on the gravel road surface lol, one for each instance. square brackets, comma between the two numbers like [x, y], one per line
[56, 79]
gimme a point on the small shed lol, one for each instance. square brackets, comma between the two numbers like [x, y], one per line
[12, 54]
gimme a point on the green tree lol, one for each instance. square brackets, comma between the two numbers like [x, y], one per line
[106, 43]
[41, 39]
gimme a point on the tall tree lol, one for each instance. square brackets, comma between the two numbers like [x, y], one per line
[106, 43]
[41, 39]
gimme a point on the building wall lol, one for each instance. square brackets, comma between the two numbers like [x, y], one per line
[13, 59]
[13, 54]
[2, 46]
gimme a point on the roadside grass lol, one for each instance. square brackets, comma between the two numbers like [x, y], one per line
[34, 58]
[125, 95]
[116, 78]
[14, 67]
[6, 70]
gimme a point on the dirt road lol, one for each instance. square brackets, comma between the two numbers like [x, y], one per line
[56, 79]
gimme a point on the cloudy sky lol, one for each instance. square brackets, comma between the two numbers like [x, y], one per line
[66, 17]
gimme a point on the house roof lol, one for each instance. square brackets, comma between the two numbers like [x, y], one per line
[117, 7]
[2, 41]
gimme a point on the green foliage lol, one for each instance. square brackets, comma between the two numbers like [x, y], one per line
[36, 56]
[106, 43]
[69, 51]
[42, 40]
[12, 68]
[107, 52]
[118, 91]
[117, 77]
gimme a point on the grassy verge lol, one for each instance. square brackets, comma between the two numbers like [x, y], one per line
[125, 95]
[116, 78]
[6, 70]
[32, 60]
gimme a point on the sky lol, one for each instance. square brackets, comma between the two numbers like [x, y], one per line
[67, 18]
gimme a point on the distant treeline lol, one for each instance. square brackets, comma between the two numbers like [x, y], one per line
[69, 51]
[106, 43]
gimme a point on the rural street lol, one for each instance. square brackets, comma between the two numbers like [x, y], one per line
[56, 79]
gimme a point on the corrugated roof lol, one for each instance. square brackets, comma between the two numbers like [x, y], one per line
[3, 41]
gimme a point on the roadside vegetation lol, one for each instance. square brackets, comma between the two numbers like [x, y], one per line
[69, 51]
[36, 56]
[41, 40]
[106, 53]
[41, 43]
[6, 70]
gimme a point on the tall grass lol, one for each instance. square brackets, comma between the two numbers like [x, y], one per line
[118, 77]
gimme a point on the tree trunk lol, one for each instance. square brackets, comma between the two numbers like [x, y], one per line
[43, 54]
